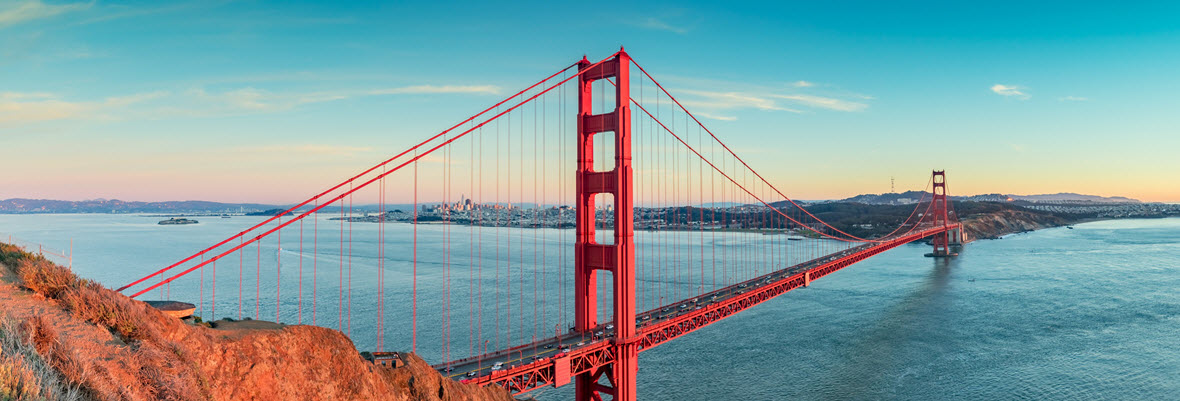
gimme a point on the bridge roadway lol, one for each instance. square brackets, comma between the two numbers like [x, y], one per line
[553, 361]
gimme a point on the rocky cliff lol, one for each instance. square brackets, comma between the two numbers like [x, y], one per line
[995, 224]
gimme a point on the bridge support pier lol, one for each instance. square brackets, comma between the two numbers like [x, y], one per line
[619, 257]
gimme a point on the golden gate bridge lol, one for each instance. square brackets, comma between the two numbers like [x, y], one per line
[527, 267]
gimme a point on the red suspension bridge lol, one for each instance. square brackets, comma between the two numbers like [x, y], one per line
[551, 238]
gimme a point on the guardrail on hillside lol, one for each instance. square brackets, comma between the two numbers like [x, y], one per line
[63, 256]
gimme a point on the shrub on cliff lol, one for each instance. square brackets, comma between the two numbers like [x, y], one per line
[106, 308]
[45, 278]
[11, 254]
[86, 299]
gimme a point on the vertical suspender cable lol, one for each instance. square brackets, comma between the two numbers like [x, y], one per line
[350, 216]
[278, 269]
[340, 274]
[496, 233]
[380, 261]
[258, 281]
[536, 206]
[471, 250]
[241, 268]
[202, 287]
[300, 319]
[315, 245]
[414, 338]
[213, 312]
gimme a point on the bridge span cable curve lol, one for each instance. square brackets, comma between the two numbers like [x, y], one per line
[353, 178]
[352, 188]
[702, 125]
[766, 183]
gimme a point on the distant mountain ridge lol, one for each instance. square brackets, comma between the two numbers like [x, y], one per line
[909, 197]
[21, 205]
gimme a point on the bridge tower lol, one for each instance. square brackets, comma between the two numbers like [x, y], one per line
[619, 257]
[942, 241]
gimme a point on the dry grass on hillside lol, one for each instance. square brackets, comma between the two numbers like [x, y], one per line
[24, 374]
[146, 369]
[86, 299]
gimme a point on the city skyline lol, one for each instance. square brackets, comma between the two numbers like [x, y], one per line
[236, 102]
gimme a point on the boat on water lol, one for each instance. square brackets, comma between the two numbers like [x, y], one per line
[176, 221]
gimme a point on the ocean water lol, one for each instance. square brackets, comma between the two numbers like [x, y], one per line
[1058, 314]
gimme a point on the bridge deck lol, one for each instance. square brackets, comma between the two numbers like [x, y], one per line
[553, 361]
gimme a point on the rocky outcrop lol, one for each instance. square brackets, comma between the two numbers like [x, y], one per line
[1007, 221]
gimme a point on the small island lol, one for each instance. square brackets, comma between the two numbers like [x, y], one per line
[176, 221]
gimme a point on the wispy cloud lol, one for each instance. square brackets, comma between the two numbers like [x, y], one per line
[30, 107]
[429, 89]
[108, 12]
[1073, 99]
[251, 99]
[825, 102]
[1011, 91]
[717, 117]
[711, 100]
[23, 11]
[711, 104]
[20, 108]
[660, 25]
[802, 84]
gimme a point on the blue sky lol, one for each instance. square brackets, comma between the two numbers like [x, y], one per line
[206, 99]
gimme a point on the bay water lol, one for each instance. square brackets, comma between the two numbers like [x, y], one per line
[1058, 314]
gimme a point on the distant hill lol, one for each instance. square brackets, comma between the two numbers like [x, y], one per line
[23, 206]
[20, 205]
[913, 196]
[904, 198]
[1072, 197]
